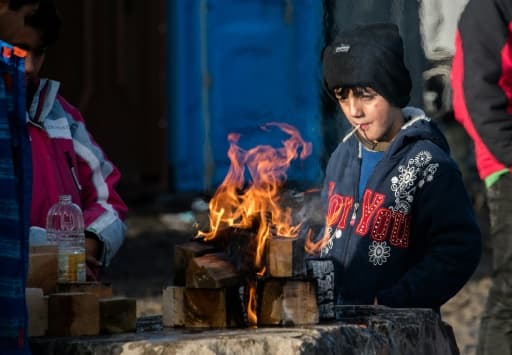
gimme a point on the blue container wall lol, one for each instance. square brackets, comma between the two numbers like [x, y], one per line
[236, 65]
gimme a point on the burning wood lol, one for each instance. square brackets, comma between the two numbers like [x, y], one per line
[211, 271]
[213, 308]
[185, 252]
[288, 302]
[261, 273]
[285, 257]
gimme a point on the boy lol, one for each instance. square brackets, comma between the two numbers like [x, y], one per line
[15, 181]
[399, 224]
[78, 165]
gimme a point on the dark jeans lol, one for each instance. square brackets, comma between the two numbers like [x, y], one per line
[496, 325]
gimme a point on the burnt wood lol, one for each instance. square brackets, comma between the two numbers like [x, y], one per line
[211, 271]
[321, 271]
[185, 252]
[213, 308]
[285, 257]
[288, 302]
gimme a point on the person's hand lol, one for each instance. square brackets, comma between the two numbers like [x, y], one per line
[93, 249]
[375, 301]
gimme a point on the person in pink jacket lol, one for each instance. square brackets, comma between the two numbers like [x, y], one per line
[66, 159]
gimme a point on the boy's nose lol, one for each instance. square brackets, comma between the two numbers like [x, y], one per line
[355, 107]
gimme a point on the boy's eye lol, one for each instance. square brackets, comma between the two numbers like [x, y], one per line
[367, 97]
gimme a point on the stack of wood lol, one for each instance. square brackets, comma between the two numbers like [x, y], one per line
[72, 309]
[211, 287]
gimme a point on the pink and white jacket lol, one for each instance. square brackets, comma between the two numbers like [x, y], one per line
[67, 160]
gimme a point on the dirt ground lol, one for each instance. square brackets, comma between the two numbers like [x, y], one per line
[144, 266]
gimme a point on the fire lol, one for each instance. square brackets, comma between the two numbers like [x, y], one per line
[252, 318]
[312, 247]
[241, 204]
[255, 203]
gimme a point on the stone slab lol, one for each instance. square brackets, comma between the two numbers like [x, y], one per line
[367, 330]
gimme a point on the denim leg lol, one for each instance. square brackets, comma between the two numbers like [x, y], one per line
[496, 324]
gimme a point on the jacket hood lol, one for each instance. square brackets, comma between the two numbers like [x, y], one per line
[43, 100]
[420, 127]
[417, 127]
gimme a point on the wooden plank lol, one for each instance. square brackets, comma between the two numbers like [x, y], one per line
[37, 309]
[43, 249]
[288, 302]
[285, 257]
[205, 308]
[185, 252]
[43, 269]
[213, 308]
[117, 315]
[100, 289]
[211, 271]
[173, 306]
[73, 314]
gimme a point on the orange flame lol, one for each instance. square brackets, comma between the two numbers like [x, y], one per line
[252, 318]
[312, 247]
[238, 205]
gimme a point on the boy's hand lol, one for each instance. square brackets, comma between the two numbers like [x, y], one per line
[93, 249]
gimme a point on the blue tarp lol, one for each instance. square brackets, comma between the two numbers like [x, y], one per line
[236, 65]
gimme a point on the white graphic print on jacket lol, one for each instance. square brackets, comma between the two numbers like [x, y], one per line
[404, 187]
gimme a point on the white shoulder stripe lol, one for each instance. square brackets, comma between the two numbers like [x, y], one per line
[58, 128]
[97, 178]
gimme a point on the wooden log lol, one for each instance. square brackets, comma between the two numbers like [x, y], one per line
[321, 272]
[288, 302]
[173, 307]
[73, 314]
[285, 257]
[100, 289]
[37, 309]
[212, 308]
[117, 315]
[211, 271]
[240, 249]
[205, 308]
[43, 268]
[185, 252]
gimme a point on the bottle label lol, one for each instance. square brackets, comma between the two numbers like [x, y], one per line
[71, 267]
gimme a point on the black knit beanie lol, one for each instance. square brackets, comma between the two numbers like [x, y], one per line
[369, 55]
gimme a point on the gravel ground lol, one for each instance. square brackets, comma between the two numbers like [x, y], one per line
[144, 266]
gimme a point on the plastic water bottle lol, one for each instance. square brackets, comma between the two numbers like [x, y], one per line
[65, 228]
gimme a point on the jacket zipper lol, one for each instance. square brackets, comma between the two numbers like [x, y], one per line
[73, 171]
[355, 207]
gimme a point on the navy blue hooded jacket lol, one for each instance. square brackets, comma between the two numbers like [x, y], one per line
[412, 240]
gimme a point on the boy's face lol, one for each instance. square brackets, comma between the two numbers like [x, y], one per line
[12, 21]
[378, 120]
[29, 39]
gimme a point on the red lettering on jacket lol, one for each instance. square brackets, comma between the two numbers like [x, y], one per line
[381, 224]
[401, 230]
[338, 206]
[371, 202]
[347, 205]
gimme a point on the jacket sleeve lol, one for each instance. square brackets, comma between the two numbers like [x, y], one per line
[450, 242]
[482, 75]
[103, 208]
